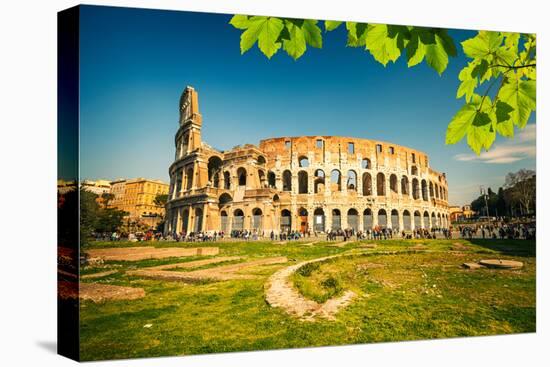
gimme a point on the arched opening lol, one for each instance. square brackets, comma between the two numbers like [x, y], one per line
[185, 220]
[287, 180]
[353, 219]
[395, 219]
[416, 189]
[286, 221]
[382, 218]
[393, 184]
[431, 189]
[224, 199]
[257, 219]
[226, 180]
[303, 161]
[436, 191]
[439, 220]
[189, 179]
[238, 220]
[424, 190]
[434, 222]
[380, 184]
[241, 176]
[367, 219]
[302, 215]
[367, 184]
[276, 198]
[336, 220]
[406, 220]
[405, 186]
[365, 163]
[271, 179]
[179, 180]
[261, 160]
[351, 184]
[319, 220]
[319, 183]
[261, 177]
[426, 220]
[197, 227]
[335, 181]
[214, 168]
[302, 182]
[414, 171]
[417, 220]
[224, 221]
[441, 192]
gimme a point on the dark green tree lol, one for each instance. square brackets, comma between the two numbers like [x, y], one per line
[89, 210]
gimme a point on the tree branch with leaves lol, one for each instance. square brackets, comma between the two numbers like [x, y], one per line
[497, 58]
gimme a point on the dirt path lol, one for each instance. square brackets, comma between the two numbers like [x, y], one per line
[96, 292]
[281, 293]
[225, 272]
[142, 253]
[98, 275]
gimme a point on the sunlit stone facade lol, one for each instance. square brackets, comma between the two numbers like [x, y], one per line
[306, 183]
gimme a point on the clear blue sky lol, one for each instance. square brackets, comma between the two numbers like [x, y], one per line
[135, 64]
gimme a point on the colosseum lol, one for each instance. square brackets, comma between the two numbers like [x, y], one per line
[306, 183]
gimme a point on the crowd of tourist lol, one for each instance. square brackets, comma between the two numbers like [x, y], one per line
[499, 230]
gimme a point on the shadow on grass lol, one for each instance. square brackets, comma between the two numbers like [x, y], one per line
[520, 248]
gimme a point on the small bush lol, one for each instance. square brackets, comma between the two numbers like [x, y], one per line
[307, 269]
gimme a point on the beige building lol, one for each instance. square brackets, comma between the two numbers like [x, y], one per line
[299, 183]
[137, 196]
[457, 213]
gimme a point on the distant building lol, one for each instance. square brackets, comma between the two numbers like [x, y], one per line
[457, 213]
[65, 186]
[137, 197]
[98, 187]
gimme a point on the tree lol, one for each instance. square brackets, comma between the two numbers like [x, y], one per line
[161, 199]
[502, 59]
[107, 198]
[89, 209]
[522, 186]
[109, 220]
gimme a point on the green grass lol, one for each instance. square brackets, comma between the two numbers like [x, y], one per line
[396, 300]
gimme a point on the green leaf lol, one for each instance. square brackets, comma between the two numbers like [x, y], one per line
[468, 82]
[356, 34]
[240, 21]
[436, 55]
[481, 71]
[331, 25]
[521, 96]
[447, 42]
[264, 30]
[381, 46]
[295, 45]
[460, 123]
[482, 45]
[479, 133]
[504, 125]
[312, 33]
[416, 49]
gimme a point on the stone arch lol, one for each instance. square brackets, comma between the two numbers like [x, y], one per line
[224, 199]
[261, 160]
[319, 182]
[303, 219]
[426, 220]
[394, 219]
[415, 189]
[286, 220]
[436, 191]
[319, 220]
[238, 220]
[365, 163]
[417, 219]
[380, 184]
[336, 180]
[189, 178]
[414, 171]
[303, 161]
[241, 176]
[367, 219]
[185, 220]
[302, 182]
[424, 190]
[441, 192]
[224, 221]
[261, 177]
[434, 223]
[214, 167]
[405, 185]
[407, 220]
[353, 219]
[382, 218]
[227, 180]
[439, 220]
[197, 226]
[287, 180]
[271, 179]
[431, 189]
[257, 215]
[367, 184]
[351, 184]
[393, 184]
[336, 219]
[276, 198]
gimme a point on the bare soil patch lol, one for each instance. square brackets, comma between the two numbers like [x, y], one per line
[96, 292]
[142, 253]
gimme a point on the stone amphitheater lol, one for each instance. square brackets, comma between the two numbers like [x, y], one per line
[306, 183]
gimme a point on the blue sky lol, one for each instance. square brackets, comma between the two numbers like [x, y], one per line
[135, 64]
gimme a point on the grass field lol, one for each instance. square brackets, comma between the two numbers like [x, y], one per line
[403, 294]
